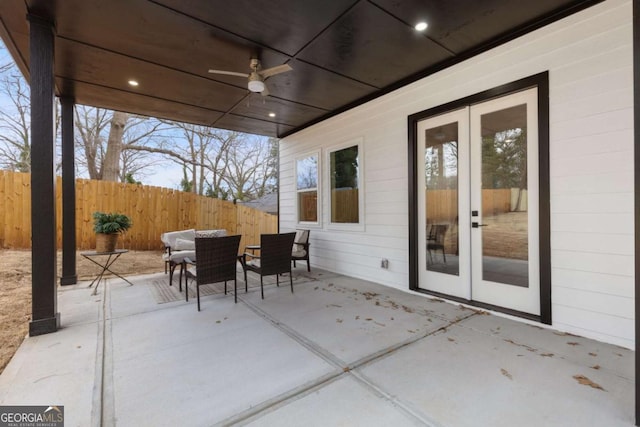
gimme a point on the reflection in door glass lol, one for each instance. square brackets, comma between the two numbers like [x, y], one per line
[441, 198]
[504, 197]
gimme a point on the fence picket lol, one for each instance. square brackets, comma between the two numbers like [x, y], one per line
[153, 210]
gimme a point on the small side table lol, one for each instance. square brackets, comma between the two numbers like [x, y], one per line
[106, 266]
[252, 248]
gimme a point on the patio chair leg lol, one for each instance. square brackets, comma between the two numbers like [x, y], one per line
[277, 280]
[308, 266]
[225, 287]
[261, 288]
[186, 290]
[198, 295]
[245, 281]
[235, 290]
[291, 281]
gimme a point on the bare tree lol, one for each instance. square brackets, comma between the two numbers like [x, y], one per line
[119, 153]
[111, 165]
[90, 124]
[247, 167]
[15, 147]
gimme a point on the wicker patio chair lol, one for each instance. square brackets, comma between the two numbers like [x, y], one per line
[301, 248]
[435, 240]
[274, 259]
[216, 261]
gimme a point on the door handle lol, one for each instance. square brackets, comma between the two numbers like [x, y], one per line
[476, 225]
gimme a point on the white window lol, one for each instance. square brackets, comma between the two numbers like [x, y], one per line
[345, 182]
[307, 179]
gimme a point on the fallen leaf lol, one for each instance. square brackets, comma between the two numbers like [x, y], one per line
[368, 319]
[593, 354]
[573, 343]
[451, 339]
[596, 367]
[586, 381]
[547, 355]
[506, 373]
[338, 320]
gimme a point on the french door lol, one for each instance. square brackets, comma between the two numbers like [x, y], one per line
[478, 203]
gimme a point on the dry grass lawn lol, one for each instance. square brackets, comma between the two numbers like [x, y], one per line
[15, 289]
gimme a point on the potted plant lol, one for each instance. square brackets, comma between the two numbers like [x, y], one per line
[107, 227]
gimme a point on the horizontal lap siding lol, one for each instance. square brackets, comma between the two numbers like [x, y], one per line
[589, 59]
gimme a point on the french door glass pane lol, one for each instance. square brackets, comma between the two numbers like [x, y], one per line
[441, 198]
[504, 197]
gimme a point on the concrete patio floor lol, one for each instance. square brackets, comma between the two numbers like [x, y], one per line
[337, 352]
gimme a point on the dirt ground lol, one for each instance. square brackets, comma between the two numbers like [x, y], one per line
[15, 289]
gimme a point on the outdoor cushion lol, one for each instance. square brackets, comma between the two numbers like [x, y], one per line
[254, 262]
[179, 256]
[298, 251]
[169, 238]
[184, 245]
[302, 236]
[211, 233]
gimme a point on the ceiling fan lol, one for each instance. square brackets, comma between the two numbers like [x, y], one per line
[257, 76]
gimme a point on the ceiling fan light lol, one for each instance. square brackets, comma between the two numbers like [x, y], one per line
[255, 82]
[256, 86]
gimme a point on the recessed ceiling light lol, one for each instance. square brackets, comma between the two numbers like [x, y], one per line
[133, 83]
[421, 26]
[272, 114]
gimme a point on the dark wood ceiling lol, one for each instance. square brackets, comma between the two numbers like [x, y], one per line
[343, 52]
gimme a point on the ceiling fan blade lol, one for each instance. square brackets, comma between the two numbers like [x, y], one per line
[275, 70]
[229, 73]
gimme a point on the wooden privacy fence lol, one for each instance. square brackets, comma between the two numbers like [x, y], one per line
[442, 205]
[153, 210]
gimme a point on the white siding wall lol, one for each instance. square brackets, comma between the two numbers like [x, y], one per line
[589, 59]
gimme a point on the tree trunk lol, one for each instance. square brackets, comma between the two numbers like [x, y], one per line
[111, 169]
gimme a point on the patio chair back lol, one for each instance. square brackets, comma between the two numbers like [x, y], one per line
[301, 248]
[275, 253]
[216, 259]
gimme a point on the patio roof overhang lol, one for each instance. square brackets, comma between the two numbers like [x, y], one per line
[343, 52]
